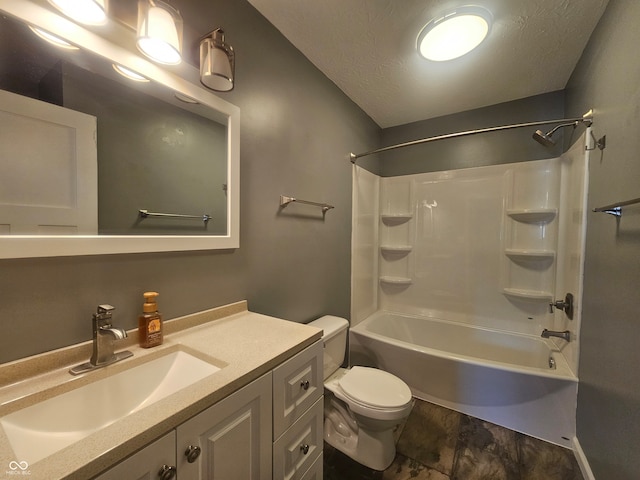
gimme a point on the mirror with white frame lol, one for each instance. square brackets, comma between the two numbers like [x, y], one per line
[180, 149]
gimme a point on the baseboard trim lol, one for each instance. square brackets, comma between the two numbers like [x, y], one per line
[582, 460]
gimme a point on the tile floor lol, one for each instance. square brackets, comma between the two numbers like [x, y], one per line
[440, 444]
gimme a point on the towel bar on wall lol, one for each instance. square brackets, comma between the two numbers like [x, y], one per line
[616, 208]
[145, 213]
[284, 201]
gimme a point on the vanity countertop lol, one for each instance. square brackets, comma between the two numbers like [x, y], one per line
[246, 344]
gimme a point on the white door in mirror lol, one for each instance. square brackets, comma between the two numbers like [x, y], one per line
[48, 169]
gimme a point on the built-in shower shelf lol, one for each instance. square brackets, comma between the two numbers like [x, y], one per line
[396, 248]
[396, 280]
[396, 218]
[529, 255]
[533, 295]
[533, 215]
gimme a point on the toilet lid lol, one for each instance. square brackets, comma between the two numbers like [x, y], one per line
[375, 388]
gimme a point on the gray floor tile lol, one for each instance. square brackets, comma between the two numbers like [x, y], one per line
[430, 436]
[540, 459]
[404, 468]
[485, 452]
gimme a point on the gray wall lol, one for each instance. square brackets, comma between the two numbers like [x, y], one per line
[607, 78]
[297, 130]
[474, 150]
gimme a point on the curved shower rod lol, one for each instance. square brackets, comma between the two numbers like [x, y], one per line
[587, 118]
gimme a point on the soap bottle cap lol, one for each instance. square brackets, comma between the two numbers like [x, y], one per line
[150, 302]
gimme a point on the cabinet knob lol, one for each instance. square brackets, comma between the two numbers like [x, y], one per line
[305, 384]
[304, 448]
[192, 453]
[167, 472]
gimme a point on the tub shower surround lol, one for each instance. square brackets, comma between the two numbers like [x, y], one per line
[453, 276]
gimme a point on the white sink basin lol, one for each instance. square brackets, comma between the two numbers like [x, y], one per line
[37, 431]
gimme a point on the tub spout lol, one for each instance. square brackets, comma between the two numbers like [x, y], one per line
[566, 335]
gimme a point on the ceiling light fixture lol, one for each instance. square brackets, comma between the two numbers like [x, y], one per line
[130, 74]
[52, 39]
[159, 34]
[454, 34]
[89, 12]
[217, 62]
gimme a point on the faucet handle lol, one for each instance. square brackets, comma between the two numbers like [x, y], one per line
[566, 305]
[105, 308]
[104, 312]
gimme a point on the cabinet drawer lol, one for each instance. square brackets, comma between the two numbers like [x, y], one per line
[315, 472]
[297, 384]
[296, 450]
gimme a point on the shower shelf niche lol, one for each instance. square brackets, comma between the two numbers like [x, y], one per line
[396, 218]
[533, 295]
[397, 249]
[520, 254]
[530, 215]
[396, 280]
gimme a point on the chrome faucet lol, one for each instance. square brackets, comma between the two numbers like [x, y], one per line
[566, 335]
[104, 336]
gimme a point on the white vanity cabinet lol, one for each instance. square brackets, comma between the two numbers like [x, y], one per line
[298, 388]
[268, 429]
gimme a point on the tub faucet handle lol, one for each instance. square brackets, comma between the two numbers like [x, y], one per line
[566, 305]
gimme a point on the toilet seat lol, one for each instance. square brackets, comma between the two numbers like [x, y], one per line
[361, 398]
[375, 388]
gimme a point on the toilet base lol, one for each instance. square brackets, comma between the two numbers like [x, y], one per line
[375, 449]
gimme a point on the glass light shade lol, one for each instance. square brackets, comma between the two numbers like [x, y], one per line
[52, 39]
[217, 63]
[159, 32]
[88, 12]
[455, 34]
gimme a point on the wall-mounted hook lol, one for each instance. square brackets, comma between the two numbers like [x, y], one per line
[566, 305]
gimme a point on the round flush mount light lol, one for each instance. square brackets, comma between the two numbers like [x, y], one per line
[454, 34]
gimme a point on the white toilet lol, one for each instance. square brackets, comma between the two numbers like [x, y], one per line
[362, 405]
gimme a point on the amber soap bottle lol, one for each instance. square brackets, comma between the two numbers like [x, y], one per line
[150, 322]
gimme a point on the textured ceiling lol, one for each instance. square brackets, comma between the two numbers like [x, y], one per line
[367, 48]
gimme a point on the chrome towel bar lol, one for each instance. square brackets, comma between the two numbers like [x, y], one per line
[145, 213]
[284, 201]
[616, 208]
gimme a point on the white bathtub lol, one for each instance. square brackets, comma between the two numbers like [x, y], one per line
[503, 378]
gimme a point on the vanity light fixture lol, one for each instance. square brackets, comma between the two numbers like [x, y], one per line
[130, 74]
[52, 39]
[454, 34]
[88, 12]
[217, 62]
[159, 33]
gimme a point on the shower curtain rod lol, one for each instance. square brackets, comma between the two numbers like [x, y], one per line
[586, 118]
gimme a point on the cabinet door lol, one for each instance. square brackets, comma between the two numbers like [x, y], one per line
[148, 463]
[297, 385]
[233, 437]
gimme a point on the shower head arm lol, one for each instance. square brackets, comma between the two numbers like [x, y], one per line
[562, 125]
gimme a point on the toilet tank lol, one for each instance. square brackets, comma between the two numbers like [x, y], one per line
[334, 337]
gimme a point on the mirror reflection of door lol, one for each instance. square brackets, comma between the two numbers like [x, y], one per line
[48, 169]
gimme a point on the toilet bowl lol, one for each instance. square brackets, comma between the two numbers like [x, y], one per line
[363, 405]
